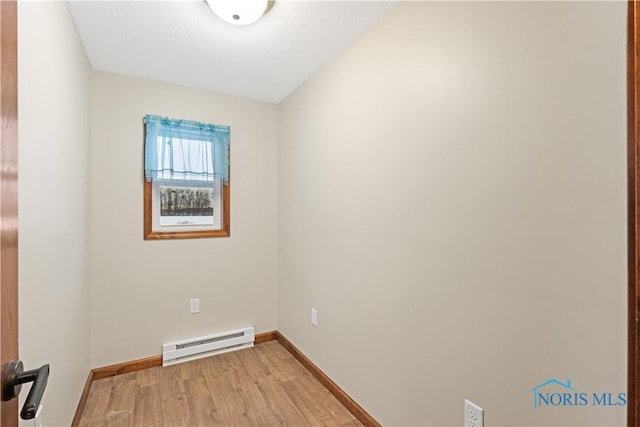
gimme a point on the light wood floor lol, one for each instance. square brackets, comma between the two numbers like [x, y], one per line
[260, 386]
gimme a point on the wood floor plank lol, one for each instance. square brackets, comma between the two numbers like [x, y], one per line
[96, 404]
[253, 365]
[299, 392]
[175, 407]
[201, 406]
[225, 397]
[260, 386]
[148, 410]
[280, 403]
[147, 377]
[280, 363]
[121, 404]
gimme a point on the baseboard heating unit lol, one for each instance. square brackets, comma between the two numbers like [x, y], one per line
[196, 348]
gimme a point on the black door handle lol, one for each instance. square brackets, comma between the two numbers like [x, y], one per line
[15, 377]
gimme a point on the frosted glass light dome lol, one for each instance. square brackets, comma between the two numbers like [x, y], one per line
[238, 12]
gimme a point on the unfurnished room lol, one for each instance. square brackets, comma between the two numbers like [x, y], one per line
[319, 213]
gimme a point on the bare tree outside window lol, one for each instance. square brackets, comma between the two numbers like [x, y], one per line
[186, 205]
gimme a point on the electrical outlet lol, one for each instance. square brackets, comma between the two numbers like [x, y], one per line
[194, 306]
[473, 415]
[314, 317]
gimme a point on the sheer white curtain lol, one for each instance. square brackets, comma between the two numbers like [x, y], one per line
[185, 150]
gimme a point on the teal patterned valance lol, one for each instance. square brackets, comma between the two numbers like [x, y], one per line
[185, 150]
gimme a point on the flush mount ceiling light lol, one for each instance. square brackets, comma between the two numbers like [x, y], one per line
[239, 12]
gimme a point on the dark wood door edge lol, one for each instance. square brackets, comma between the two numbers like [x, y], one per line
[633, 188]
[8, 198]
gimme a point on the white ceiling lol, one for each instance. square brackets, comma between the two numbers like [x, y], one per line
[183, 42]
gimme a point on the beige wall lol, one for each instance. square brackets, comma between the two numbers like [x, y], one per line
[449, 193]
[140, 290]
[54, 82]
[452, 201]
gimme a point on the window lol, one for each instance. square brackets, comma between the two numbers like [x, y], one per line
[186, 189]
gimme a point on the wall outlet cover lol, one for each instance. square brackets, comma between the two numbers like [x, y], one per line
[473, 415]
[194, 306]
